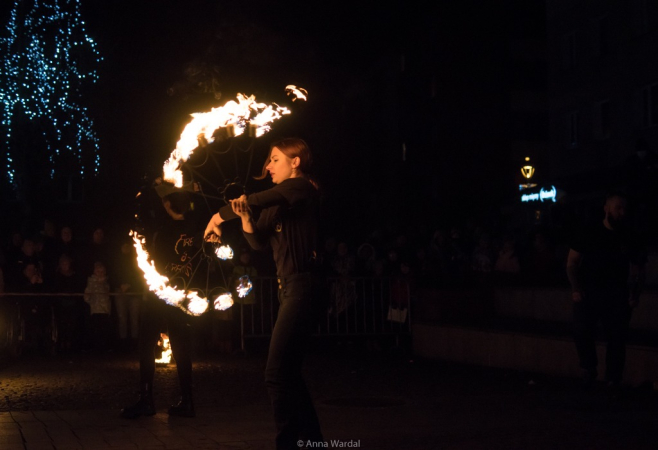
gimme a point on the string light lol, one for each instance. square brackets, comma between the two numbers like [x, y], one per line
[46, 61]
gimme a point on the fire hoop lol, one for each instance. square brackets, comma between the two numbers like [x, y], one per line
[204, 140]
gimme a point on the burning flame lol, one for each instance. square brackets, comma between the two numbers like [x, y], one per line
[163, 343]
[298, 93]
[224, 301]
[246, 111]
[197, 305]
[224, 252]
[235, 117]
[244, 286]
[159, 284]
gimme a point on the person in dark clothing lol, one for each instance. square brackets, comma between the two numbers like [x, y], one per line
[97, 250]
[172, 248]
[27, 256]
[36, 310]
[288, 221]
[127, 301]
[605, 267]
[48, 252]
[70, 310]
[67, 246]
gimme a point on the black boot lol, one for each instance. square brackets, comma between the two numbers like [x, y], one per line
[184, 408]
[143, 407]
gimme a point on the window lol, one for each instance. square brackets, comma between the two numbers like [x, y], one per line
[602, 120]
[650, 105]
[572, 129]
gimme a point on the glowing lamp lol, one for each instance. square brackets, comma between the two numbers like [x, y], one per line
[527, 171]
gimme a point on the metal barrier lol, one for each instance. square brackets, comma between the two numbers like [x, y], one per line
[23, 315]
[15, 321]
[357, 306]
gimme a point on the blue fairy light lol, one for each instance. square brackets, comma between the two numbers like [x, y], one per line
[46, 59]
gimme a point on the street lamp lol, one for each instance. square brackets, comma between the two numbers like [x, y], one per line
[528, 171]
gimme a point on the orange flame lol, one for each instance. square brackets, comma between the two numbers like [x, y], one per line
[166, 350]
[244, 114]
[297, 93]
[238, 114]
[190, 301]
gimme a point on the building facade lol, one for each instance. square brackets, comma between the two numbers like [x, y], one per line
[602, 87]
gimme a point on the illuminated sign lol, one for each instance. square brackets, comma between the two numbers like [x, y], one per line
[544, 194]
[528, 171]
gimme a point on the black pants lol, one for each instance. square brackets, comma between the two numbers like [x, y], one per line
[612, 310]
[298, 316]
[159, 317]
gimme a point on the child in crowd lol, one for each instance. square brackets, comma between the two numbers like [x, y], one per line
[97, 295]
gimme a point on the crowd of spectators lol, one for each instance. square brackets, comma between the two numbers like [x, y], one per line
[85, 285]
[106, 287]
[451, 257]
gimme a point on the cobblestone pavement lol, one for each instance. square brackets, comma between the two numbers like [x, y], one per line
[374, 401]
[109, 381]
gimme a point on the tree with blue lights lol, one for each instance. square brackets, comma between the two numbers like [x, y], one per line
[47, 63]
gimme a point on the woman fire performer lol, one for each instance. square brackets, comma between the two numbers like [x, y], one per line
[288, 219]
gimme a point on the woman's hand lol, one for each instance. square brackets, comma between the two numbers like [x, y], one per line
[213, 228]
[241, 208]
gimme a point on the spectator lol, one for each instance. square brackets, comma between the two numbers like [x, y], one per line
[13, 251]
[402, 248]
[35, 309]
[343, 289]
[126, 302]
[26, 256]
[482, 260]
[402, 287]
[460, 255]
[442, 264]
[541, 264]
[507, 265]
[97, 296]
[66, 246]
[365, 258]
[31, 280]
[392, 262]
[70, 309]
[328, 255]
[48, 251]
[343, 262]
[97, 251]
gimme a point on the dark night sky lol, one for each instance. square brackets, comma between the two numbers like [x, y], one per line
[344, 53]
